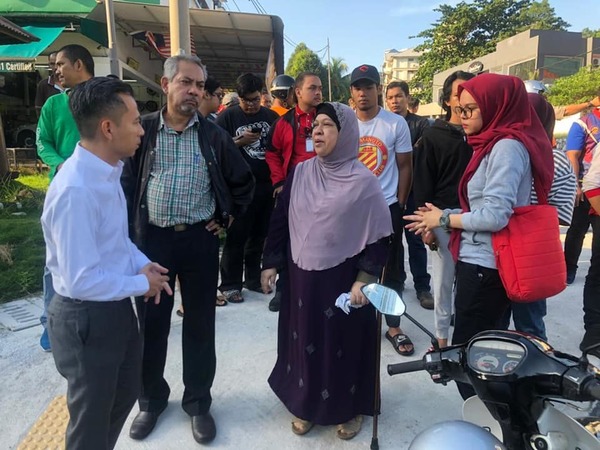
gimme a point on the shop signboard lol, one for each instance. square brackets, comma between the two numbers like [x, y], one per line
[17, 66]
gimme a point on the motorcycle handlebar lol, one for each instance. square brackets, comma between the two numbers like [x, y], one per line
[411, 366]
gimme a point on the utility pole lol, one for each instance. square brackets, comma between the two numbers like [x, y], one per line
[329, 68]
[112, 37]
[179, 23]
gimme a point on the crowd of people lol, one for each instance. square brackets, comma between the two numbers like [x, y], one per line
[313, 199]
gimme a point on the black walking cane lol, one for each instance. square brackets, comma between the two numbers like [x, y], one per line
[377, 401]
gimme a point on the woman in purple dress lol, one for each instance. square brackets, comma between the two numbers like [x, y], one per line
[329, 229]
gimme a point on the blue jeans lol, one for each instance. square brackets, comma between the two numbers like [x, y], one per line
[417, 254]
[48, 294]
[528, 318]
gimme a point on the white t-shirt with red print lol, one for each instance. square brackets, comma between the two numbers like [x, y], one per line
[380, 139]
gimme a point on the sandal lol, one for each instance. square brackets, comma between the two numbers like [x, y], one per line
[233, 296]
[349, 429]
[221, 301]
[300, 426]
[398, 341]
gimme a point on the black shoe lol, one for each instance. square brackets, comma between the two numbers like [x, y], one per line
[275, 302]
[204, 429]
[426, 299]
[571, 277]
[144, 423]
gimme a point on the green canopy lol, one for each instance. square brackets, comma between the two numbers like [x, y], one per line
[55, 7]
[47, 36]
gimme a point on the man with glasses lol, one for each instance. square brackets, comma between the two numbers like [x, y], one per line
[211, 100]
[249, 124]
[48, 86]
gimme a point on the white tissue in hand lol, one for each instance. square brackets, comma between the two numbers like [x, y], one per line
[343, 302]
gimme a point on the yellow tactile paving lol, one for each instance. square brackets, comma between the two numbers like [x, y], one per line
[48, 433]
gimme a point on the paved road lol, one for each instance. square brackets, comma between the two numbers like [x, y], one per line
[248, 414]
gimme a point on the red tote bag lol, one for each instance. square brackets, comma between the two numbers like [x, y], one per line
[529, 254]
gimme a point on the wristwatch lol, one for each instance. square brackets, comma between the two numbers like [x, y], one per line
[445, 220]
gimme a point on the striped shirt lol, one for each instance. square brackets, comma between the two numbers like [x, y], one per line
[179, 189]
[563, 189]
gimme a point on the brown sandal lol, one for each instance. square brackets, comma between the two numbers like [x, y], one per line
[349, 429]
[300, 426]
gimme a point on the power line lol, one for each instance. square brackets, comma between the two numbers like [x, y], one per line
[236, 5]
[261, 10]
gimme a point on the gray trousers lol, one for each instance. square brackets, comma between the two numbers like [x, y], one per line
[443, 269]
[96, 347]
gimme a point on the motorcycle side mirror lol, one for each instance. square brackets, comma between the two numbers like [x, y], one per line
[388, 301]
[384, 299]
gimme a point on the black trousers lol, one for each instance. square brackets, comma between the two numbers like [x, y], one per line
[580, 225]
[394, 267]
[591, 292]
[480, 303]
[417, 254]
[242, 252]
[96, 347]
[193, 257]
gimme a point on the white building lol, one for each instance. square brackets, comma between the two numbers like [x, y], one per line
[399, 65]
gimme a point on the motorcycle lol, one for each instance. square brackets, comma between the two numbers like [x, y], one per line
[519, 381]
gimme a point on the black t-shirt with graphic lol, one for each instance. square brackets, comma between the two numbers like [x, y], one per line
[235, 122]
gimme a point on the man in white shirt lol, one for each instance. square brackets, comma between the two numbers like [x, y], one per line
[385, 148]
[96, 268]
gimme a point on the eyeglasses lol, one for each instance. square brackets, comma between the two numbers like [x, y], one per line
[465, 112]
[254, 100]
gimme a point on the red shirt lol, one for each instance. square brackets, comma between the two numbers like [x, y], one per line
[287, 144]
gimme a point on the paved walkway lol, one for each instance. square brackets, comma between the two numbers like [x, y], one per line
[248, 414]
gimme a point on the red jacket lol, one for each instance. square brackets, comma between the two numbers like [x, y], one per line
[282, 145]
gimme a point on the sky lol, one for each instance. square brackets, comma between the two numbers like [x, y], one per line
[361, 31]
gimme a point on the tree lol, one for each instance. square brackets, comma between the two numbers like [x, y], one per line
[469, 30]
[576, 88]
[304, 59]
[588, 33]
[340, 83]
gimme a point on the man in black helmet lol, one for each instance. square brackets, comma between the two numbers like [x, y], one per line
[282, 90]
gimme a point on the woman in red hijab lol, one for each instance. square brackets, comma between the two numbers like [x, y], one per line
[510, 150]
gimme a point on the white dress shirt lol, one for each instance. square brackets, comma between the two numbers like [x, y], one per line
[88, 250]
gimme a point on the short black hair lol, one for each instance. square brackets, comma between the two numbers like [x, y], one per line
[95, 99]
[398, 84]
[75, 52]
[248, 83]
[447, 89]
[211, 85]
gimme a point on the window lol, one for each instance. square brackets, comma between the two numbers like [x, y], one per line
[524, 70]
[560, 66]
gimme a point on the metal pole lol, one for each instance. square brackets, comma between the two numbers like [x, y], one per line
[111, 30]
[329, 68]
[179, 22]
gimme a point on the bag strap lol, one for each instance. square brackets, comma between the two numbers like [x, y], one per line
[583, 125]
